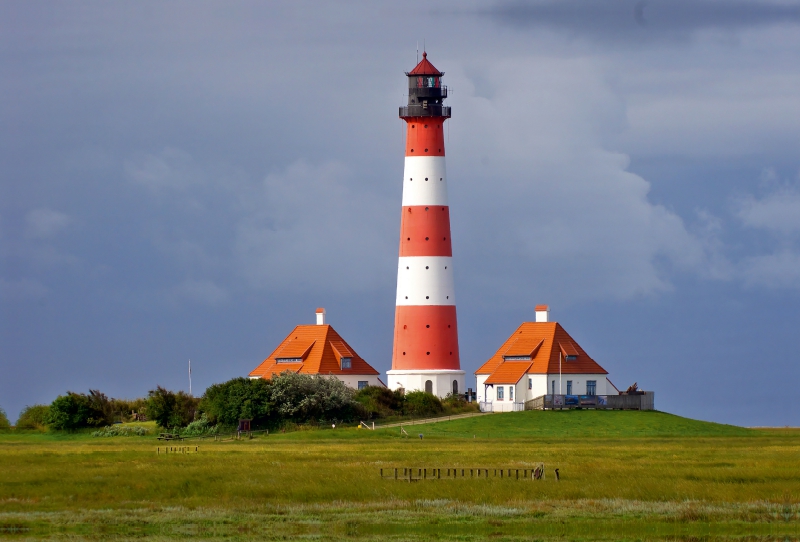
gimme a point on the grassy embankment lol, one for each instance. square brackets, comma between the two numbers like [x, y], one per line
[623, 475]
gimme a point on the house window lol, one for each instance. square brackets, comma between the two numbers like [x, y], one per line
[530, 383]
[591, 387]
[347, 363]
[288, 360]
[362, 384]
[428, 386]
[571, 357]
[500, 393]
[511, 393]
[553, 387]
[569, 387]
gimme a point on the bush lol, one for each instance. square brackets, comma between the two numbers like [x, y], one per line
[302, 398]
[380, 402]
[237, 399]
[76, 410]
[199, 427]
[121, 431]
[171, 409]
[4, 423]
[419, 403]
[33, 417]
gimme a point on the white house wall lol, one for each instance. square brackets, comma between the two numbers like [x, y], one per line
[578, 384]
[539, 385]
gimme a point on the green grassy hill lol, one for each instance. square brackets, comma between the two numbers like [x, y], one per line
[578, 423]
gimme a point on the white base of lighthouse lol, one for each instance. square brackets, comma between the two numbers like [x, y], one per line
[437, 382]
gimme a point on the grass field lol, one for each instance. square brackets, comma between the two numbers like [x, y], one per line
[624, 475]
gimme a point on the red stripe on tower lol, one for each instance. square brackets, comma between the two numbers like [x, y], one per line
[425, 355]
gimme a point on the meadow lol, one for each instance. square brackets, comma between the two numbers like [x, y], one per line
[624, 476]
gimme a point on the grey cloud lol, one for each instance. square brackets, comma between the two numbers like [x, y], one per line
[778, 270]
[25, 288]
[777, 211]
[45, 223]
[641, 20]
[204, 292]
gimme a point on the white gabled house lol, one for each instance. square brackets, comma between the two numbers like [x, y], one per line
[539, 358]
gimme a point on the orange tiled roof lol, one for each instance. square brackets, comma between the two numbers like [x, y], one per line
[509, 372]
[425, 67]
[552, 340]
[320, 348]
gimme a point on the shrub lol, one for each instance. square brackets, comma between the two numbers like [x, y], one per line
[379, 401]
[33, 417]
[171, 409]
[199, 427]
[4, 423]
[240, 398]
[301, 398]
[121, 431]
[419, 403]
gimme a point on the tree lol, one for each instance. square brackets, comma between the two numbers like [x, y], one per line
[33, 417]
[4, 423]
[171, 409]
[68, 412]
[236, 399]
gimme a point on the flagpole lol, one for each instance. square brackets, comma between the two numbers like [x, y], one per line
[190, 377]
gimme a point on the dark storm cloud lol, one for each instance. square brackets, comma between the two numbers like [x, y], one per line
[641, 20]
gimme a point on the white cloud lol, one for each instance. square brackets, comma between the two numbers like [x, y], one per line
[44, 223]
[550, 210]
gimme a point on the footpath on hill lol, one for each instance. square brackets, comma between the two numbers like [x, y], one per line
[422, 421]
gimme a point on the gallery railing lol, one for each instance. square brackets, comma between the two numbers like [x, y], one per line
[643, 401]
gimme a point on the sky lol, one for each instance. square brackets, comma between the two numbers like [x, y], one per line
[192, 179]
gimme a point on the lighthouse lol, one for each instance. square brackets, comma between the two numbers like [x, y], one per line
[425, 354]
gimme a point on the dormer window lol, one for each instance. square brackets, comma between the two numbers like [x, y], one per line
[571, 358]
[346, 363]
[288, 360]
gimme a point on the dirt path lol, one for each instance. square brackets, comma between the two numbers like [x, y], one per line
[433, 420]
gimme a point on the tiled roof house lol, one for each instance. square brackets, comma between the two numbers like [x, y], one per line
[539, 358]
[318, 349]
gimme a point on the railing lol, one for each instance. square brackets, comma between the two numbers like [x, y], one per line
[502, 406]
[432, 110]
[428, 92]
[412, 474]
[644, 401]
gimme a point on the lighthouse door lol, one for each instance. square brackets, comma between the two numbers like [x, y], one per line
[428, 386]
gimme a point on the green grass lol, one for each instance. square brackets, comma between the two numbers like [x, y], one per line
[582, 424]
[640, 475]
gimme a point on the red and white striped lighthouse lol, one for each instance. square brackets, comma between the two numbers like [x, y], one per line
[425, 353]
